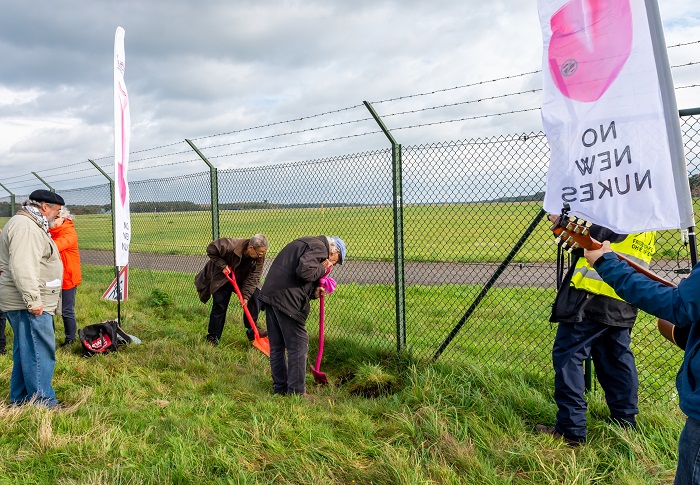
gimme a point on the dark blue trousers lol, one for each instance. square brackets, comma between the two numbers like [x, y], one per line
[688, 471]
[3, 324]
[70, 326]
[614, 367]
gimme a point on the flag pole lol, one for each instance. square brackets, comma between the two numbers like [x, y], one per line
[673, 126]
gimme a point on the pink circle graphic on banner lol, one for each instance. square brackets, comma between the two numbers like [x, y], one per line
[591, 41]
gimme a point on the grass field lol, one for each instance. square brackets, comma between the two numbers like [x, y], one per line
[447, 232]
[175, 410]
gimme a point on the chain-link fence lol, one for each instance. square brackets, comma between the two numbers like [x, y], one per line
[473, 280]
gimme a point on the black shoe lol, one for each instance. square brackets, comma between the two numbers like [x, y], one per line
[551, 430]
[212, 340]
[68, 342]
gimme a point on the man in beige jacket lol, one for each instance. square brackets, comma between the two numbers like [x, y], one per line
[30, 288]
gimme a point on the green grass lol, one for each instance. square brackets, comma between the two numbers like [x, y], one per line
[176, 410]
[484, 232]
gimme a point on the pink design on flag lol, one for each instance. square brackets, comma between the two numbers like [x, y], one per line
[591, 41]
[123, 101]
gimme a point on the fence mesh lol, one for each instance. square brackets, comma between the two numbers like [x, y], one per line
[466, 204]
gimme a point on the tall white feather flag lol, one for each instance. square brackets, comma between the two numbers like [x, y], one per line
[122, 132]
[610, 115]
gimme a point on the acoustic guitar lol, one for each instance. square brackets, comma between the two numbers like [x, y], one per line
[574, 233]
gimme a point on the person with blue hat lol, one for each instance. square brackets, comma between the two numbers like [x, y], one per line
[291, 283]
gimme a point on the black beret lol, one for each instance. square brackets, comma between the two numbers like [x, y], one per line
[43, 195]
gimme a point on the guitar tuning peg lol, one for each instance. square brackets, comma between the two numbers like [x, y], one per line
[570, 250]
[572, 218]
[557, 240]
[580, 222]
[589, 223]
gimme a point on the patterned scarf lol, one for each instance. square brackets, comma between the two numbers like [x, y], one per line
[36, 214]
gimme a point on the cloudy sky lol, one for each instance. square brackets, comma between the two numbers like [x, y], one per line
[222, 67]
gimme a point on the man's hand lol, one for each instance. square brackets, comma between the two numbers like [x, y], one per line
[320, 291]
[593, 255]
[227, 270]
[36, 311]
[327, 263]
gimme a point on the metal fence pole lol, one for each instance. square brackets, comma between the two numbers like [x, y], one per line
[214, 181]
[44, 182]
[12, 200]
[398, 233]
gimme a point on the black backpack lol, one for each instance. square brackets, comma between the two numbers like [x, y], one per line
[102, 338]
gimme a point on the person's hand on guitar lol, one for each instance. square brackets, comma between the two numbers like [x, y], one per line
[592, 255]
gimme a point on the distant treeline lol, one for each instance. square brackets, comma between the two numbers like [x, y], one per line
[538, 197]
[185, 206]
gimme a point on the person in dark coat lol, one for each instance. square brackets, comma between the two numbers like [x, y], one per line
[291, 283]
[245, 257]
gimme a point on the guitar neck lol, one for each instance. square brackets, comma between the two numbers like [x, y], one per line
[644, 271]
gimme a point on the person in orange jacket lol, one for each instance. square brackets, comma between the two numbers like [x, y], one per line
[65, 237]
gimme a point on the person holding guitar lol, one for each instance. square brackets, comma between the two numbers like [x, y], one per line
[594, 321]
[680, 306]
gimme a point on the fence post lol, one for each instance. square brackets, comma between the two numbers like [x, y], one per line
[44, 182]
[12, 200]
[398, 233]
[214, 181]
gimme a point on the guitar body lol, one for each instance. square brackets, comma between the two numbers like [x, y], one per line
[678, 336]
[574, 233]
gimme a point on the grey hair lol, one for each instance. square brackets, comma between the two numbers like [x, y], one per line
[65, 213]
[259, 241]
[331, 243]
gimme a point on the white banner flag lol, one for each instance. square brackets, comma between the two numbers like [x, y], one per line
[122, 130]
[605, 112]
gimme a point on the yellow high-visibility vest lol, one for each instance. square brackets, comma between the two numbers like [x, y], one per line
[637, 247]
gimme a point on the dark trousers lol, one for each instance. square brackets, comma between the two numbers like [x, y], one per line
[3, 322]
[688, 471]
[289, 344]
[68, 312]
[614, 367]
[221, 299]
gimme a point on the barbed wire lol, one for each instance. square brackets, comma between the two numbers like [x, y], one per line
[280, 122]
[78, 178]
[167, 164]
[74, 171]
[682, 44]
[335, 111]
[339, 110]
[467, 118]
[296, 144]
